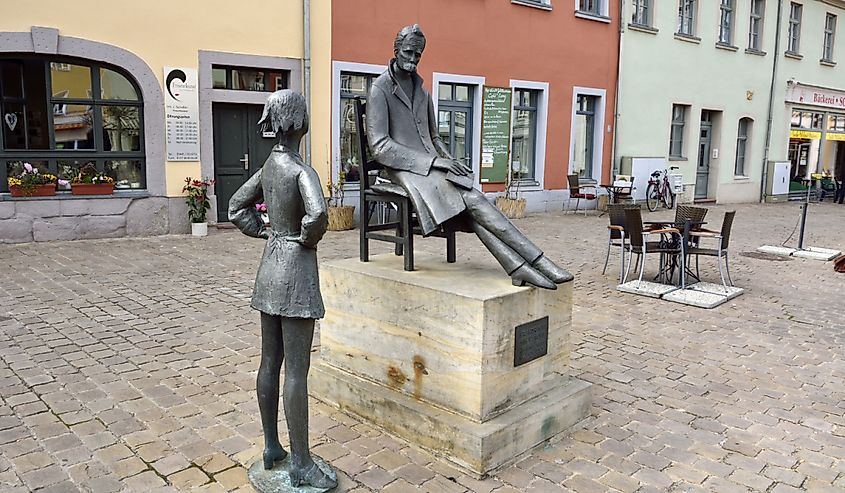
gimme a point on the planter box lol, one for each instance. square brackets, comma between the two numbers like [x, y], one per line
[511, 208]
[92, 188]
[341, 218]
[38, 191]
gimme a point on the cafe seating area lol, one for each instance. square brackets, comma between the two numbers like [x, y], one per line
[678, 259]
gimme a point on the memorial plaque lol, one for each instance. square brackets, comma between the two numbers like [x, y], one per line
[531, 341]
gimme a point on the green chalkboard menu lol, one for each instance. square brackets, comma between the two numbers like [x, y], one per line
[495, 134]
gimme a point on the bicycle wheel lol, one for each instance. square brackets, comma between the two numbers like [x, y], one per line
[652, 197]
[668, 198]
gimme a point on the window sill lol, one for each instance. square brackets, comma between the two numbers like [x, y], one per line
[725, 46]
[643, 28]
[793, 55]
[591, 16]
[688, 38]
[67, 195]
[677, 158]
[528, 3]
[742, 178]
[827, 63]
[752, 51]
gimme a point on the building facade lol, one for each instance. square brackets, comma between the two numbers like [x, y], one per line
[86, 85]
[701, 82]
[555, 59]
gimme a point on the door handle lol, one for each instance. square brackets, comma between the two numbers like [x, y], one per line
[245, 160]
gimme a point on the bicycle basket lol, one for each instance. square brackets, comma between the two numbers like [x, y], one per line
[677, 183]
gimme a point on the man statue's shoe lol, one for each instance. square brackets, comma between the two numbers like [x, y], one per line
[552, 271]
[526, 275]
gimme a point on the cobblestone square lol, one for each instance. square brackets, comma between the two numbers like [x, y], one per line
[130, 364]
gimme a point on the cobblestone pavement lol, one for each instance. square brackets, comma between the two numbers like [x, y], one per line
[129, 365]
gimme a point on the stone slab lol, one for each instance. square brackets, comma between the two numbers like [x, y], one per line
[815, 253]
[277, 480]
[730, 292]
[477, 448]
[692, 297]
[646, 288]
[777, 250]
[444, 333]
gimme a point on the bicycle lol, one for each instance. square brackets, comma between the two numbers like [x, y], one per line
[660, 190]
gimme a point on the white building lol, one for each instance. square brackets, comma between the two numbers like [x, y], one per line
[701, 80]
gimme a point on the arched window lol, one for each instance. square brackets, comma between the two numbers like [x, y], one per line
[60, 114]
[742, 133]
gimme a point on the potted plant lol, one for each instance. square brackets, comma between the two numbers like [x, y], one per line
[89, 181]
[32, 183]
[197, 199]
[511, 205]
[341, 217]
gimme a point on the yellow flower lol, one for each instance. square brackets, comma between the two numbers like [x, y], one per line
[14, 182]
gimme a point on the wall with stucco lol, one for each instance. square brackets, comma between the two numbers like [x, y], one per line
[172, 33]
[660, 70]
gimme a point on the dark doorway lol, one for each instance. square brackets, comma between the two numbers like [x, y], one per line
[240, 149]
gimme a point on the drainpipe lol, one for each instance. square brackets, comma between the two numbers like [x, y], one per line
[614, 168]
[306, 68]
[769, 121]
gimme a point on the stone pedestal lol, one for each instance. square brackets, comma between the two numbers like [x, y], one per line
[450, 357]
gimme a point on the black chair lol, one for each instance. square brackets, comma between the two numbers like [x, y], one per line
[373, 194]
[723, 239]
[639, 244]
[616, 235]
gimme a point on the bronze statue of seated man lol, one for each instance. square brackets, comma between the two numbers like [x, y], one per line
[403, 136]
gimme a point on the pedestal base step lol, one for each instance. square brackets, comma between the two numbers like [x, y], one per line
[477, 448]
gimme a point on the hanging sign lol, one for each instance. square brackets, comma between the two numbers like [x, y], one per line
[495, 134]
[805, 134]
[181, 113]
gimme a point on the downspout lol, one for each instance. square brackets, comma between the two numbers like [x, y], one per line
[615, 166]
[769, 121]
[306, 68]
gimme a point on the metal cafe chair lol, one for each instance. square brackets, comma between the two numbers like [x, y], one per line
[723, 238]
[378, 192]
[575, 192]
[616, 236]
[642, 247]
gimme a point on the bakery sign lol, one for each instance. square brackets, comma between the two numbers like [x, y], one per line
[816, 96]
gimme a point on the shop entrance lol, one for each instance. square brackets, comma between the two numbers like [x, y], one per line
[703, 171]
[239, 149]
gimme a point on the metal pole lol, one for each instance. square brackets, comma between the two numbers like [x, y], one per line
[306, 65]
[769, 121]
[804, 217]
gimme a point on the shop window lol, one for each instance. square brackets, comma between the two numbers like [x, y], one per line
[686, 17]
[793, 38]
[726, 22]
[524, 136]
[742, 133]
[829, 34]
[755, 25]
[60, 115]
[352, 85]
[807, 120]
[676, 134]
[642, 13]
[836, 123]
[455, 110]
[248, 79]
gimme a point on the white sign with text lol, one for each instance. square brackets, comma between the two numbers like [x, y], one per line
[181, 112]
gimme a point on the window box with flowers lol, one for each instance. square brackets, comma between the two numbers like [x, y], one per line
[32, 183]
[91, 182]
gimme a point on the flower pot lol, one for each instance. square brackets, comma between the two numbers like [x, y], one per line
[39, 191]
[511, 208]
[341, 218]
[199, 229]
[92, 188]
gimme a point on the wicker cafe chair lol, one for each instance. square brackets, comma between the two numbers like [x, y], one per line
[616, 236]
[373, 194]
[639, 244]
[684, 212]
[575, 192]
[723, 238]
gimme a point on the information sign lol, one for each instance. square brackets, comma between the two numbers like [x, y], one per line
[181, 113]
[495, 134]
